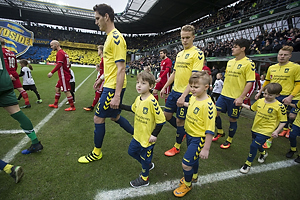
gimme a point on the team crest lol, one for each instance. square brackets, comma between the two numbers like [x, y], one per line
[239, 66]
[17, 38]
[186, 56]
[271, 76]
[270, 110]
[145, 110]
[286, 70]
[196, 110]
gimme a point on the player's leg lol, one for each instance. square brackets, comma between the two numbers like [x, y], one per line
[16, 172]
[95, 101]
[34, 89]
[221, 106]
[257, 141]
[145, 155]
[124, 123]
[295, 131]
[66, 88]
[170, 108]
[180, 118]
[26, 125]
[57, 95]
[190, 163]
[72, 91]
[24, 94]
[233, 113]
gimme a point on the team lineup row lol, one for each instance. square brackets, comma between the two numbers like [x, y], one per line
[196, 114]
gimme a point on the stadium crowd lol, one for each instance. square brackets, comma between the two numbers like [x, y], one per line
[215, 18]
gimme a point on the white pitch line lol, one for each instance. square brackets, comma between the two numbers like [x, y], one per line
[171, 185]
[11, 131]
[12, 153]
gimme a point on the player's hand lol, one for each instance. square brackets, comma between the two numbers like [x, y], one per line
[50, 75]
[12, 77]
[152, 138]
[274, 134]
[115, 102]
[204, 154]
[238, 101]
[97, 84]
[157, 80]
[180, 101]
[257, 96]
[162, 92]
[287, 100]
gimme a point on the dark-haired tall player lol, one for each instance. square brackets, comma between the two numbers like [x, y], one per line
[165, 71]
[240, 76]
[11, 66]
[114, 57]
[64, 75]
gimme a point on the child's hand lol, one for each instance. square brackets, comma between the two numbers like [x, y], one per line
[204, 154]
[274, 134]
[152, 138]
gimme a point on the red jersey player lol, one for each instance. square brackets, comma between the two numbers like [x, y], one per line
[11, 66]
[165, 70]
[62, 67]
[99, 80]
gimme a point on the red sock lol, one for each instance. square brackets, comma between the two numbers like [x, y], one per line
[70, 99]
[25, 97]
[97, 97]
[156, 96]
[57, 96]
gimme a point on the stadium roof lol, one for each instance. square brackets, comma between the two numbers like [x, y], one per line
[140, 16]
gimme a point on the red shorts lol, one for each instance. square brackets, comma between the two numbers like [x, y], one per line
[64, 85]
[17, 83]
[101, 87]
[160, 85]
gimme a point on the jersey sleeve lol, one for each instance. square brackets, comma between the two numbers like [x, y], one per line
[297, 74]
[157, 111]
[282, 116]
[118, 45]
[250, 72]
[210, 113]
[198, 61]
[268, 78]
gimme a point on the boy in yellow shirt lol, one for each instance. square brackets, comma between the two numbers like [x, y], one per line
[270, 118]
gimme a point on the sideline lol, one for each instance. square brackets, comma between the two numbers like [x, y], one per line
[12, 153]
[168, 186]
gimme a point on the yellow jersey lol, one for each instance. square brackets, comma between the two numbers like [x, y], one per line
[147, 114]
[285, 75]
[297, 120]
[187, 61]
[200, 117]
[237, 74]
[114, 51]
[268, 116]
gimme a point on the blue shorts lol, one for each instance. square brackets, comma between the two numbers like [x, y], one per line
[259, 138]
[225, 104]
[103, 109]
[145, 153]
[289, 109]
[194, 146]
[171, 105]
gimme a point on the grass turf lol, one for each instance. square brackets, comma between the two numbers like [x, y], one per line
[55, 173]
